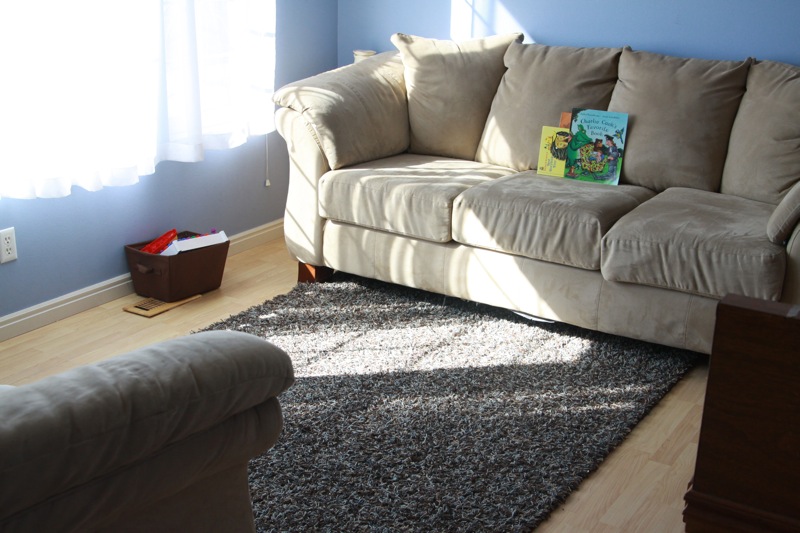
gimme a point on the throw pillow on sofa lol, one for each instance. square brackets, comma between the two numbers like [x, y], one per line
[450, 88]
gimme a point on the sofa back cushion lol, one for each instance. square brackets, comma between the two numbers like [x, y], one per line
[450, 88]
[680, 114]
[542, 82]
[764, 152]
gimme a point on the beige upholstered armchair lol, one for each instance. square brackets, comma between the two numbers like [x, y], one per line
[158, 439]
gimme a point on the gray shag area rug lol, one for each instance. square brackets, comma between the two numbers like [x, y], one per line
[417, 412]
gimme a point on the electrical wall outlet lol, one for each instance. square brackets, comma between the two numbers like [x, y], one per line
[8, 245]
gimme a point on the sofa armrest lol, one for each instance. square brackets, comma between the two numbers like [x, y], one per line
[357, 113]
[791, 279]
[302, 225]
[785, 217]
[68, 429]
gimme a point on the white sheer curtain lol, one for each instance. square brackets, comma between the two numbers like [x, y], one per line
[96, 92]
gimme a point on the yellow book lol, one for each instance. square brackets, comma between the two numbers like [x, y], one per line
[553, 151]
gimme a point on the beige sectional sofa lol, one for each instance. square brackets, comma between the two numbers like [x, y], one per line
[417, 168]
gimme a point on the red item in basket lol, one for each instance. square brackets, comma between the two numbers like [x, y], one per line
[160, 244]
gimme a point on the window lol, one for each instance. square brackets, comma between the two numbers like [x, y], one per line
[97, 92]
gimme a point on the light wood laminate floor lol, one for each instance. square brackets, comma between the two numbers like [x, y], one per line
[639, 488]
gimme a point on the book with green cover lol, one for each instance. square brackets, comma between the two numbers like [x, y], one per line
[596, 146]
[553, 151]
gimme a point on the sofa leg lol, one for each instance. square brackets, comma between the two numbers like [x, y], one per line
[313, 274]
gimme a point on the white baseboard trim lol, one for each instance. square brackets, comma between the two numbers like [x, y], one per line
[64, 306]
[106, 291]
[257, 236]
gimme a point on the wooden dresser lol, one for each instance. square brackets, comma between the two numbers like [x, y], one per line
[747, 476]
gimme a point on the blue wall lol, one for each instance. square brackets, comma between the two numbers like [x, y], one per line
[70, 243]
[716, 29]
[65, 244]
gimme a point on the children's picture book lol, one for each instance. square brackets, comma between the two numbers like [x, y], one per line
[596, 146]
[565, 120]
[553, 151]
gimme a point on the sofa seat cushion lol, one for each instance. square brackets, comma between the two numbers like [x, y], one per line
[785, 217]
[540, 217]
[697, 242]
[409, 194]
